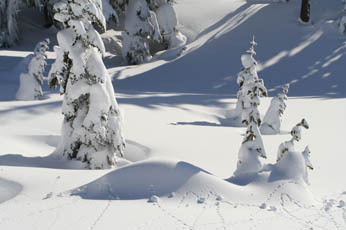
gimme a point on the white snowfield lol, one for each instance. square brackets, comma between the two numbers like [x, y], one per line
[181, 149]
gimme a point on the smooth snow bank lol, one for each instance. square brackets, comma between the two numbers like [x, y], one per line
[141, 180]
[8, 189]
[166, 178]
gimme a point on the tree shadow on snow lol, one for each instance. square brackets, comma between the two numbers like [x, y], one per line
[245, 179]
[152, 100]
[309, 57]
[134, 152]
[35, 109]
[222, 122]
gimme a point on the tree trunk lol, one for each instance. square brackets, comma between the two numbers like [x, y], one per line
[305, 11]
[48, 17]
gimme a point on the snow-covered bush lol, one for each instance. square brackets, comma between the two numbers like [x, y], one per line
[250, 85]
[140, 26]
[92, 126]
[272, 119]
[293, 166]
[288, 146]
[30, 82]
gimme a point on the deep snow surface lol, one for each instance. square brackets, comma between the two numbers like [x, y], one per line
[180, 145]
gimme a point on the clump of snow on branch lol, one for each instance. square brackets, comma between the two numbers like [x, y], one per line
[272, 119]
[92, 126]
[30, 82]
[252, 88]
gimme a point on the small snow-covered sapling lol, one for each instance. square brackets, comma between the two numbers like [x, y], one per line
[292, 165]
[30, 82]
[251, 150]
[296, 136]
[272, 119]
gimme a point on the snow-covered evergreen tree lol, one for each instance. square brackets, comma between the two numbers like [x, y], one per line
[92, 126]
[140, 25]
[272, 119]
[252, 147]
[248, 80]
[30, 82]
[9, 9]
[288, 146]
[9, 33]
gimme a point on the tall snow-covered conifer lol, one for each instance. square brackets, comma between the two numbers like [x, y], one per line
[272, 119]
[252, 88]
[30, 82]
[246, 77]
[92, 126]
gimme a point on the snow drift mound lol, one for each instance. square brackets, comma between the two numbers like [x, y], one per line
[162, 178]
[141, 180]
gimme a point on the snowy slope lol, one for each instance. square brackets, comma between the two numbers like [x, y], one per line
[180, 146]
